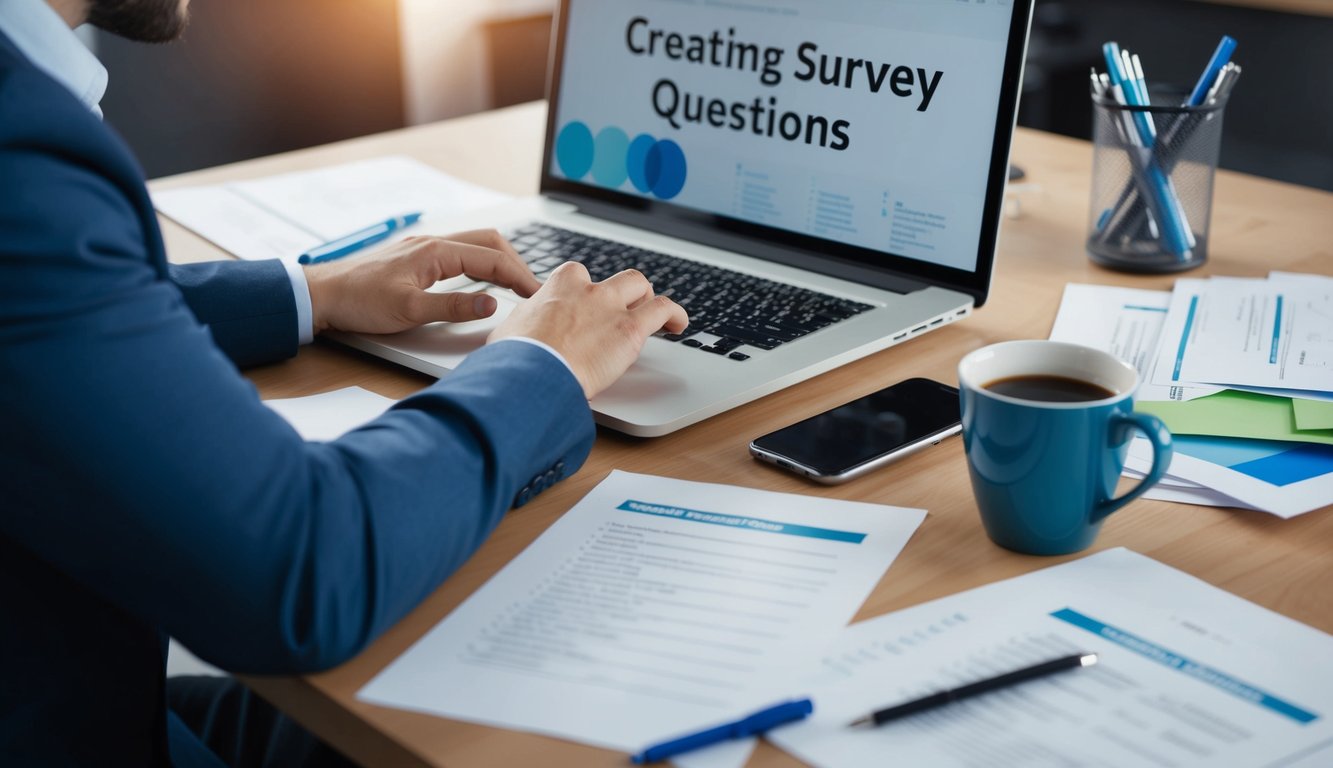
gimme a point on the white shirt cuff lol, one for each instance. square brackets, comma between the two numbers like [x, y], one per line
[543, 345]
[305, 317]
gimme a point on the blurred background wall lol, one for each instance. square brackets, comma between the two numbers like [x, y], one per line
[253, 77]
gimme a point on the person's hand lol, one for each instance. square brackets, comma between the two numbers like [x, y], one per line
[599, 328]
[385, 292]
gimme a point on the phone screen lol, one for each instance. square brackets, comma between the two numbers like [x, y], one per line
[852, 434]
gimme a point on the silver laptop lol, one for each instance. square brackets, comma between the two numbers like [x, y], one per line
[813, 180]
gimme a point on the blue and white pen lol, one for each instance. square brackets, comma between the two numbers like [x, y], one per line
[759, 722]
[357, 240]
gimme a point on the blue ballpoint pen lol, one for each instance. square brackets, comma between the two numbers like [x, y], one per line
[1220, 58]
[354, 242]
[753, 725]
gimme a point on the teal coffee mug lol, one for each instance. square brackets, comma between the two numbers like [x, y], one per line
[1046, 427]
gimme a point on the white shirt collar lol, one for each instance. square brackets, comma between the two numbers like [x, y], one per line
[39, 32]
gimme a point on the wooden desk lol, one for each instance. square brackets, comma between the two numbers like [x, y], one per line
[1258, 225]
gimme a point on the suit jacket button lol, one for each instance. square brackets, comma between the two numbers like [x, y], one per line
[522, 496]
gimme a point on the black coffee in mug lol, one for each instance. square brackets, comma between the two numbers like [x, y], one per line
[1049, 389]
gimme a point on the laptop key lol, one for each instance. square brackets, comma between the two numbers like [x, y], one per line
[738, 356]
[692, 343]
[738, 308]
[685, 334]
[746, 336]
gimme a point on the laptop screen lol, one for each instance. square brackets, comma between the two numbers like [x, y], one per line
[870, 130]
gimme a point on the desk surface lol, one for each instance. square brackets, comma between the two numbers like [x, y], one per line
[1258, 225]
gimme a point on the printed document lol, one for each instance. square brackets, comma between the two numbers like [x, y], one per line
[1187, 675]
[653, 608]
[1282, 478]
[281, 217]
[1276, 334]
[1181, 491]
[1127, 323]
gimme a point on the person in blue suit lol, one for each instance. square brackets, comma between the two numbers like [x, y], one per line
[145, 492]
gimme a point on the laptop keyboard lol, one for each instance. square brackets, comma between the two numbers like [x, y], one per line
[739, 309]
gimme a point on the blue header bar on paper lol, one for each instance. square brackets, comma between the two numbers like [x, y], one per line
[735, 521]
[1185, 338]
[1198, 671]
[1277, 332]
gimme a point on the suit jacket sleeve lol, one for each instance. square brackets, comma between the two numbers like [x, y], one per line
[138, 461]
[247, 305]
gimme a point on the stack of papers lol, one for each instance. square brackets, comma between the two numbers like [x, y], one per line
[1240, 371]
[1187, 675]
[281, 217]
[653, 608]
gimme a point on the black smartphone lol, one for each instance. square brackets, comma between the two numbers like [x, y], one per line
[865, 434]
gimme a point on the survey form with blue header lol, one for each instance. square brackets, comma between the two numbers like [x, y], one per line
[1187, 675]
[653, 608]
[1275, 334]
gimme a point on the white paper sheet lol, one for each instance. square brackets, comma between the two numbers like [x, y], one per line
[1188, 675]
[1203, 497]
[1284, 479]
[235, 224]
[284, 215]
[653, 608]
[1276, 334]
[327, 416]
[1127, 323]
[1181, 491]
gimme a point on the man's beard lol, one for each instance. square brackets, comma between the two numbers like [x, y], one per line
[145, 21]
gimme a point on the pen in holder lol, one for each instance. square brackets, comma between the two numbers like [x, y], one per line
[1152, 200]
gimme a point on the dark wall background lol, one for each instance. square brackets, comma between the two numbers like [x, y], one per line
[254, 77]
[1279, 122]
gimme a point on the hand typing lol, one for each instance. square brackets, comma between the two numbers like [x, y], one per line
[600, 328]
[385, 292]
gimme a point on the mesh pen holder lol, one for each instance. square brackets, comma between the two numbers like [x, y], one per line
[1152, 201]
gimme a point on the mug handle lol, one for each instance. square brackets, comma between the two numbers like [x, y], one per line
[1157, 434]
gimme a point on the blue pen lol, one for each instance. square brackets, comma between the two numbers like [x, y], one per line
[759, 722]
[1124, 80]
[1177, 236]
[354, 242]
[1220, 58]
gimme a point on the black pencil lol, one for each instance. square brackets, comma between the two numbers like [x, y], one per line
[975, 689]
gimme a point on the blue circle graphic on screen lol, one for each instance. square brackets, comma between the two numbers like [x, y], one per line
[610, 149]
[654, 167]
[574, 150]
[637, 162]
[665, 169]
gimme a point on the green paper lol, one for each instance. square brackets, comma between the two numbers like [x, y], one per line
[1313, 414]
[1235, 414]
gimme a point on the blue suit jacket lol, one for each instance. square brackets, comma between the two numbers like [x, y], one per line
[145, 491]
